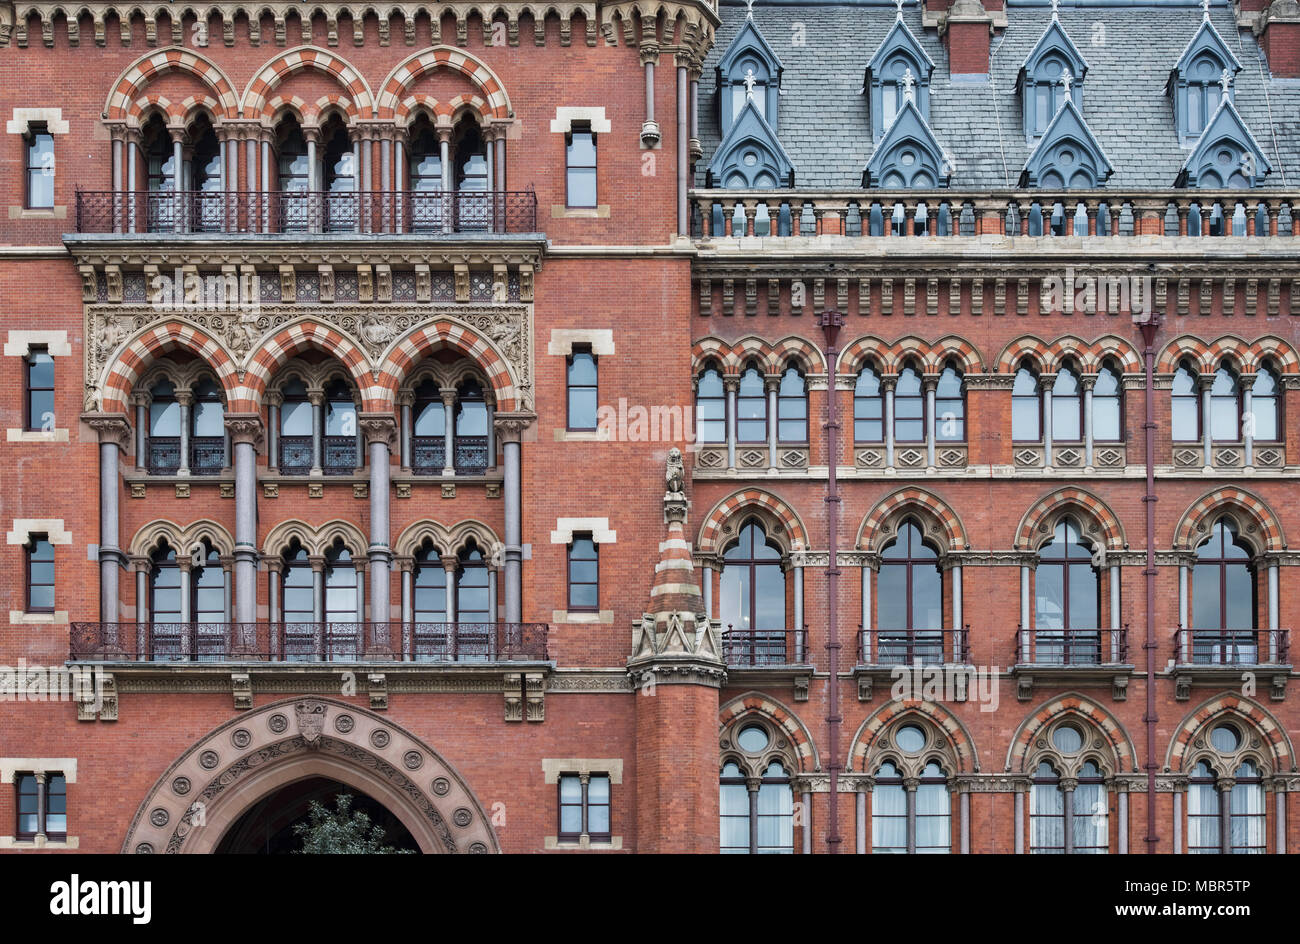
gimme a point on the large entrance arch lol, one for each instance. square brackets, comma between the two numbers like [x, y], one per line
[206, 791]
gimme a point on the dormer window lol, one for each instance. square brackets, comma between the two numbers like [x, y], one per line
[1225, 154]
[749, 71]
[1052, 73]
[751, 84]
[1197, 81]
[899, 69]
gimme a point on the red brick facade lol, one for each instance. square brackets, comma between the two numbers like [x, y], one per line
[658, 307]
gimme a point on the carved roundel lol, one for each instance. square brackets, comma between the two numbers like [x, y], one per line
[441, 786]
[379, 738]
[208, 760]
[145, 848]
[413, 760]
[181, 785]
[477, 848]
[344, 724]
[462, 817]
[241, 738]
[159, 817]
[278, 723]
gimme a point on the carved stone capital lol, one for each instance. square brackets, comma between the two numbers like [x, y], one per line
[510, 427]
[246, 428]
[378, 427]
[111, 427]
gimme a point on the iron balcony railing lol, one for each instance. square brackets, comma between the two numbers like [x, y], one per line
[1232, 646]
[1077, 647]
[760, 647]
[308, 642]
[909, 646]
[718, 213]
[428, 455]
[370, 213]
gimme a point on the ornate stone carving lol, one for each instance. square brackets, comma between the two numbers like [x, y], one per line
[310, 716]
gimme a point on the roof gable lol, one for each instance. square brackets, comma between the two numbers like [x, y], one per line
[910, 151]
[1054, 39]
[751, 156]
[1088, 160]
[1250, 163]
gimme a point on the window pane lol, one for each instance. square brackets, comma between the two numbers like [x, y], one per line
[582, 187]
[1206, 612]
[295, 419]
[582, 370]
[1105, 419]
[769, 597]
[1024, 419]
[582, 408]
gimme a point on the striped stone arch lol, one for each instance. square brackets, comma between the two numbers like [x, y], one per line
[941, 523]
[194, 104]
[308, 335]
[1234, 349]
[1262, 528]
[315, 540]
[953, 348]
[1036, 349]
[398, 83]
[406, 352]
[707, 350]
[151, 101]
[862, 350]
[963, 745]
[805, 355]
[138, 354]
[1272, 348]
[752, 350]
[129, 86]
[1117, 349]
[329, 101]
[756, 704]
[184, 538]
[1035, 526]
[1089, 714]
[712, 537]
[267, 78]
[1275, 743]
[1179, 348]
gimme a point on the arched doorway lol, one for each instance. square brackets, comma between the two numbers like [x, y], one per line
[267, 827]
[205, 794]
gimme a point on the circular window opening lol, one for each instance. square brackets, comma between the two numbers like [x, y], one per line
[1225, 738]
[752, 739]
[910, 738]
[1067, 739]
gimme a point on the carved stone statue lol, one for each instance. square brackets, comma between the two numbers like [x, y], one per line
[675, 475]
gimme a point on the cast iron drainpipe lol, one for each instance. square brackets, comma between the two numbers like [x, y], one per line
[1148, 329]
[831, 321]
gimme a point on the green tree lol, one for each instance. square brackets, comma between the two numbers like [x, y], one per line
[335, 832]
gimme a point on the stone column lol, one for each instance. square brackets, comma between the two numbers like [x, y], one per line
[449, 564]
[683, 158]
[1206, 382]
[448, 184]
[246, 434]
[797, 568]
[359, 563]
[132, 159]
[1247, 381]
[274, 400]
[448, 430]
[887, 384]
[227, 587]
[864, 643]
[1225, 785]
[493, 608]
[1047, 382]
[140, 401]
[1279, 818]
[1068, 785]
[142, 567]
[274, 614]
[1180, 789]
[380, 431]
[510, 427]
[317, 398]
[932, 420]
[649, 56]
[318, 601]
[1274, 623]
[958, 615]
[860, 817]
[1020, 790]
[405, 399]
[1088, 381]
[186, 566]
[114, 432]
[706, 585]
[731, 386]
[1121, 798]
[117, 179]
[752, 785]
[1183, 606]
[186, 400]
[1025, 614]
[1116, 613]
[909, 786]
[963, 787]
[806, 798]
[407, 566]
[772, 383]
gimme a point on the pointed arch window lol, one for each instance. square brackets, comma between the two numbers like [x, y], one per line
[751, 408]
[792, 408]
[426, 185]
[1201, 93]
[1225, 407]
[473, 605]
[733, 796]
[471, 173]
[428, 430]
[299, 602]
[339, 178]
[1046, 812]
[1203, 819]
[910, 599]
[753, 598]
[207, 429]
[1091, 812]
[710, 408]
[294, 173]
[471, 429]
[1265, 416]
[1067, 599]
[888, 811]
[1067, 406]
[296, 428]
[1186, 405]
[949, 407]
[763, 826]
[429, 604]
[1225, 604]
[208, 605]
[1026, 407]
[339, 442]
[868, 408]
[909, 407]
[1107, 415]
[164, 429]
[340, 585]
[166, 609]
[1246, 812]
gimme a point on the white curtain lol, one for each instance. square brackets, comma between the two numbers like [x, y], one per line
[1246, 826]
[933, 815]
[1203, 818]
[1046, 819]
[889, 818]
[1091, 819]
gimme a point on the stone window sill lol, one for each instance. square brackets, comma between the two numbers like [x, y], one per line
[561, 212]
[47, 213]
[36, 435]
[583, 616]
[19, 845]
[20, 618]
[614, 844]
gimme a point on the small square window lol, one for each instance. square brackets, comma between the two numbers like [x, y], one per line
[42, 808]
[584, 808]
[580, 167]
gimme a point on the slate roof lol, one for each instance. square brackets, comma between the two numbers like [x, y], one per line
[825, 123]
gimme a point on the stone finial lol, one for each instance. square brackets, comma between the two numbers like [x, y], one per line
[1225, 82]
[749, 83]
[909, 82]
